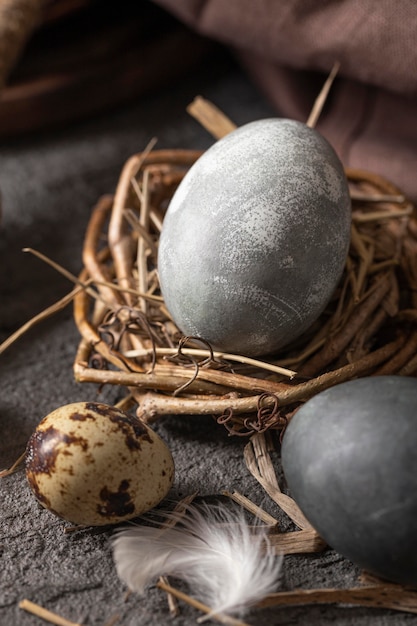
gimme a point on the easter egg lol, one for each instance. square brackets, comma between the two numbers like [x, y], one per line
[255, 238]
[350, 461]
[93, 464]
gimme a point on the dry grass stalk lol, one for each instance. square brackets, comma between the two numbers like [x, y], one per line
[382, 596]
[209, 116]
[297, 542]
[180, 509]
[219, 617]
[112, 620]
[322, 97]
[44, 614]
[37, 319]
[259, 463]
[174, 610]
[215, 355]
[253, 508]
[13, 468]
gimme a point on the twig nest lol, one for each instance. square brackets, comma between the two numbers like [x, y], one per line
[255, 238]
[349, 457]
[93, 464]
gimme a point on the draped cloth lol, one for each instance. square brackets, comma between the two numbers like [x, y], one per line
[289, 46]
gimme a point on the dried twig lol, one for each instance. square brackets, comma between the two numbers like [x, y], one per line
[154, 405]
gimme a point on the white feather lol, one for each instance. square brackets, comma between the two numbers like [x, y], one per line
[226, 565]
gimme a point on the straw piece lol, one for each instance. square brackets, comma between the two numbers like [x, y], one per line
[251, 507]
[376, 216]
[44, 614]
[338, 342]
[13, 468]
[322, 97]
[40, 317]
[263, 458]
[143, 246]
[286, 503]
[383, 596]
[298, 542]
[112, 620]
[219, 617]
[97, 271]
[172, 600]
[361, 196]
[403, 356]
[238, 358]
[210, 117]
[180, 509]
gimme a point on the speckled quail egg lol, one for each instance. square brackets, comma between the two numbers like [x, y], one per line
[93, 464]
[255, 238]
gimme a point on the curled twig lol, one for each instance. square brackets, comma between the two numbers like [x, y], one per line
[185, 358]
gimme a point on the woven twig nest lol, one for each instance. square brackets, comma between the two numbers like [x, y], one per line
[129, 339]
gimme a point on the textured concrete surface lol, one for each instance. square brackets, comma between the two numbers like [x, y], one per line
[49, 184]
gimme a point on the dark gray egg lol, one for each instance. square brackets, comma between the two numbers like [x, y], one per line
[350, 459]
[255, 238]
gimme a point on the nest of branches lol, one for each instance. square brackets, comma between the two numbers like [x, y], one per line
[129, 339]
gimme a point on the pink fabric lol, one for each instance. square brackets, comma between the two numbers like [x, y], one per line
[289, 46]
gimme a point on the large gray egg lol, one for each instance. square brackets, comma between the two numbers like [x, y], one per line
[350, 460]
[255, 238]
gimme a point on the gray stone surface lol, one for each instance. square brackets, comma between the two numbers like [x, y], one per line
[49, 184]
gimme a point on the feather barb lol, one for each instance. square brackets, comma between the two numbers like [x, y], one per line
[211, 548]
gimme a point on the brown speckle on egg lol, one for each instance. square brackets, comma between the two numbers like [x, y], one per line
[81, 417]
[116, 503]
